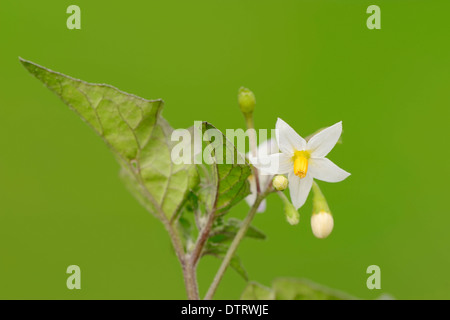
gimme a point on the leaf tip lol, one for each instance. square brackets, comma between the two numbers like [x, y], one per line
[22, 60]
[26, 63]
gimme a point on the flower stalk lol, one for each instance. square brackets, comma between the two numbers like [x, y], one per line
[246, 100]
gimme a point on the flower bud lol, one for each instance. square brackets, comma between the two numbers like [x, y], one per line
[322, 222]
[280, 182]
[292, 215]
[246, 100]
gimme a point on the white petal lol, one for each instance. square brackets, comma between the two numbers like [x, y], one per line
[250, 199]
[264, 180]
[262, 206]
[288, 140]
[273, 146]
[299, 189]
[267, 147]
[252, 196]
[325, 170]
[322, 143]
[278, 163]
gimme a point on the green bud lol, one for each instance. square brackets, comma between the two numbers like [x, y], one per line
[280, 182]
[292, 215]
[246, 100]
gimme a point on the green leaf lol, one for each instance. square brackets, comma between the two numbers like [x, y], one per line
[219, 251]
[292, 289]
[186, 230]
[135, 188]
[237, 265]
[222, 235]
[229, 181]
[256, 291]
[234, 225]
[226, 231]
[302, 289]
[136, 133]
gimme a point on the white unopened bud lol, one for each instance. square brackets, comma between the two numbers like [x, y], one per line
[280, 182]
[322, 224]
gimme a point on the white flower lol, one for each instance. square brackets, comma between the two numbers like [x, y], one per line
[302, 161]
[322, 224]
[265, 148]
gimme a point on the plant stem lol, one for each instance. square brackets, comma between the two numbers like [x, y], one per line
[253, 147]
[201, 240]
[190, 281]
[234, 245]
[191, 260]
[189, 273]
[189, 269]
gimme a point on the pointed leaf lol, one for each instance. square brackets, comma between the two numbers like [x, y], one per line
[219, 251]
[252, 232]
[230, 170]
[292, 289]
[237, 265]
[302, 289]
[256, 291]
[226, 231]
[136, 133]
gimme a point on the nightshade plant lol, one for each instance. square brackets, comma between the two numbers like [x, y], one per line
[192, 198]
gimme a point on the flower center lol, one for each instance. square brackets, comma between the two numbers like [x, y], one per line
[300, 159]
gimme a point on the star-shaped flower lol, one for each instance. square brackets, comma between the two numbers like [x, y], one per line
[303, 160]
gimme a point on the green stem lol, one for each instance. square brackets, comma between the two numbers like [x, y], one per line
[319, 201]
[234, 245]
[253, 146]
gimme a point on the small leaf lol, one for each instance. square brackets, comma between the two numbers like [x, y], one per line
[256, 291]
[292, 289]
[186, 230]
[226, 231]
[229, 173]
[252, 232]
[237, 265]
[136, 133]
[302, 289]
[219, 251]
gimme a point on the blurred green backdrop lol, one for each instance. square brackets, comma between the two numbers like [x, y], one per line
[311, 63]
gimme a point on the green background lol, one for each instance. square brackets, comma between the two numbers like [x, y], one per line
[312, 63]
